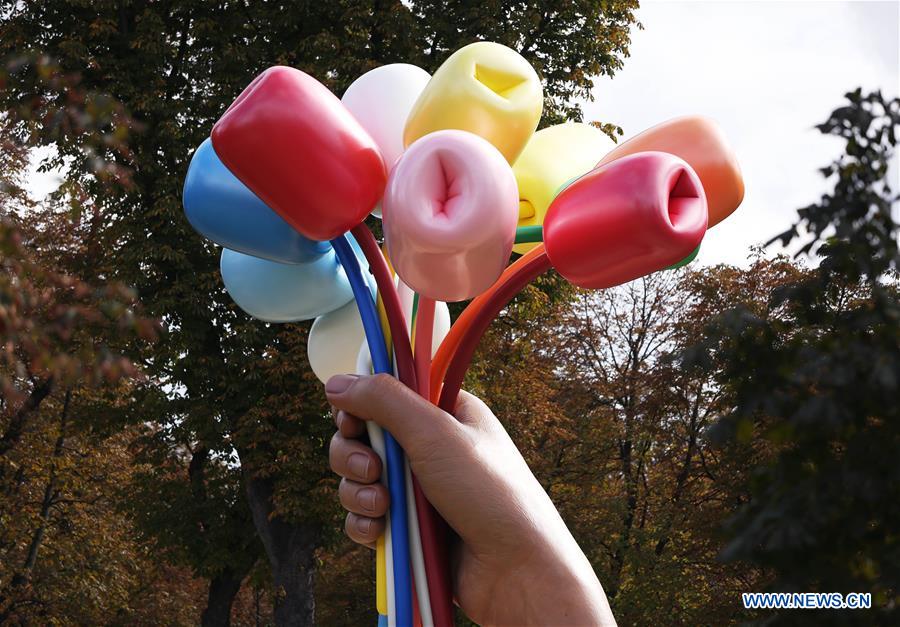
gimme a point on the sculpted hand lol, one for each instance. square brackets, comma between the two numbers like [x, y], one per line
[516, 562]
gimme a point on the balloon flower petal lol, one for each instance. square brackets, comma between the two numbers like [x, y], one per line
[701, 143]
[624, 220]
[381, 100]
[552, 157]
[225, 211]
[278, 292]
[450, 211]
[293, 143]
[484, 88]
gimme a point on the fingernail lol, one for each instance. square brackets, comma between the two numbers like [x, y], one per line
[363, 525]
[366, 498]
[339, 383]
[359, 465]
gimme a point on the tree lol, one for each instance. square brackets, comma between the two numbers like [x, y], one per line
[815, 389]
[65, 551]
[48, 318]
[220, 384]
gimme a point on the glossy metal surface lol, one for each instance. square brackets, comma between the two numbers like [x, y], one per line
[637, 215]
[450, 212]
[293, 143]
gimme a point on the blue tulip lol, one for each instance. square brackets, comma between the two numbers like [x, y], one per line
[279, 292]
[224, 210]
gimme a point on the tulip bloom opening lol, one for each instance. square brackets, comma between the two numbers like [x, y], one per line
[624, 220]
[450, 212]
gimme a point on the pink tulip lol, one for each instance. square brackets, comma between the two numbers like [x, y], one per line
[450, 211]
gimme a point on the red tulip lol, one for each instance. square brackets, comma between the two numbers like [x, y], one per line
[294, 144]
[701, 143]
[624, 220]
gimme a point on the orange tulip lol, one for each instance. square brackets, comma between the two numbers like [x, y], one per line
[701, 143]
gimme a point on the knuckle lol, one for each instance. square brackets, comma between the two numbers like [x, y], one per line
[379, 384]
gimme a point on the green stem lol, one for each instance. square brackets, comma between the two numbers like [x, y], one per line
[530, 234]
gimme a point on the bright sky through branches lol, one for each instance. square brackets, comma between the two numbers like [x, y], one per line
[768, 72]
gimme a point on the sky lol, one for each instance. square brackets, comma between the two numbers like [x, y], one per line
[767, 72]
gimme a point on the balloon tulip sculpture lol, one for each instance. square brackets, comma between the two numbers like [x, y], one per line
[453, 165]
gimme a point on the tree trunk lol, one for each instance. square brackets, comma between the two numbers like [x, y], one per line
[291, 552]
[21, 576]
[223, 588]
[16, 426]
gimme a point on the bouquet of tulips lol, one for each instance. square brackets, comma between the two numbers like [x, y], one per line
[454, 166]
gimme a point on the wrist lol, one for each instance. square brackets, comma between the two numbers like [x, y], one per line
[560, 588]
[569, 592]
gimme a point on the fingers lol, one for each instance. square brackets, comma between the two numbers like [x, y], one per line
[366, 500]
[367, 505]
[349, 426]
[363, 530]
[353, 460]
[417, 424]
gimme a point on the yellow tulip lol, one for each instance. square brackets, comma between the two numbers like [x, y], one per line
[484, 88]
[552, 157]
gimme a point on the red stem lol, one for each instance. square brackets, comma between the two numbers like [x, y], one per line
[456, 371]
[432, 527]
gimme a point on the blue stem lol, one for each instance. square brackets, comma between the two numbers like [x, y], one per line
[381, 362]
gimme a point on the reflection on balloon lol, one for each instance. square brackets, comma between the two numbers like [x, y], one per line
[381, 100]
[450, 211]
[223, 210]
[293, 143]
[484, 88]
[278, 292]
[554, 156]
[625, 220]
[700, 142]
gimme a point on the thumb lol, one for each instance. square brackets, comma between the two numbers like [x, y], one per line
[418, 426]
[471, 411]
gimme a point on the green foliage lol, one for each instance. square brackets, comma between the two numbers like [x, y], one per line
[815, 389]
